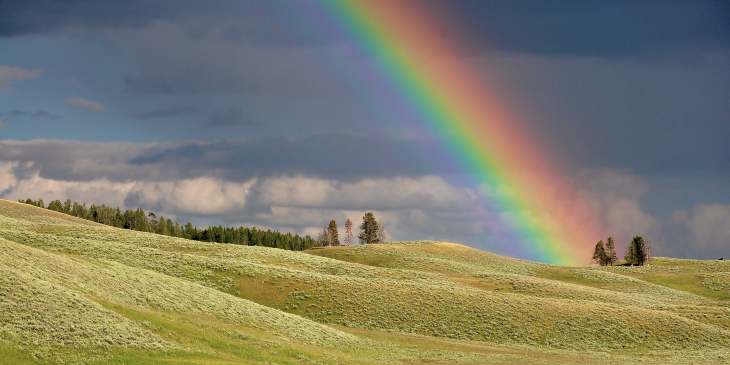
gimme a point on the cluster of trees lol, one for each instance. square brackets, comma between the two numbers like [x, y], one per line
[637, 252]
[370, 232]
[139, 220]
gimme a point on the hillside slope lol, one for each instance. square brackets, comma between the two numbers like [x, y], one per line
[75, 291]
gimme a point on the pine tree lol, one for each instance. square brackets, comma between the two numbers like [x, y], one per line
[642, 252]
[611, 251]
[348, 231]
[638, 252]
[599, 254]
[369, 229]
[630, 255]
[334, 236]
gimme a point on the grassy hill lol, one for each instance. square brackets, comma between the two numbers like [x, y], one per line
[72, 291]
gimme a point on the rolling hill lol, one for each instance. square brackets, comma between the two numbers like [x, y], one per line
[72, 291]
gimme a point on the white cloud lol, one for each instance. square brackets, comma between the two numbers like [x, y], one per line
[418, 207]
[93, 191]
[430, 192]
[425, 207]
[200, 196]
[8, 74]
[85, 104]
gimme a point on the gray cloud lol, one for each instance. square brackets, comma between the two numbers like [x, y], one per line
[328, 155]
[79, 161]
[310, 156]
[237, 67]
[85, 104]
[172, 112]
[621, 28]
[709, 229]
[233, 116]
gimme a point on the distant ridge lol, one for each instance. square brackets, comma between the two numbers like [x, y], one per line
[139, 220]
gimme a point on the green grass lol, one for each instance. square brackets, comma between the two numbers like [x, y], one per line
[72, 291]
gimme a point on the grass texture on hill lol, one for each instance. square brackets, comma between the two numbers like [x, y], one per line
[72, 291]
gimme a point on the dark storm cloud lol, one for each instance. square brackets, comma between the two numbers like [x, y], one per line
[663, 117]
[592, 27]
[21, 17]
[172, 112]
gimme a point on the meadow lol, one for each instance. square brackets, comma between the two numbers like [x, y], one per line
[77, 292]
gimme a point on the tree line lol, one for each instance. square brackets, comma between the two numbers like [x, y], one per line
[637, 252]
[139, 220]
[371, 231]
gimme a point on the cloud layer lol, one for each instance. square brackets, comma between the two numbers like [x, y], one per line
[415, 206]
[412, 207]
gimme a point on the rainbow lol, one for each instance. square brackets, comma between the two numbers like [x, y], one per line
[550, 220]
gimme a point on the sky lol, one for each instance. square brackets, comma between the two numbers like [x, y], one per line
[260, 113]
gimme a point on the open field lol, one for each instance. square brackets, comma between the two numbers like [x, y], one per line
[72, 291]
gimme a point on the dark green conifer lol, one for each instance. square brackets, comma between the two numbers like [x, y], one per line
[333, 235]
[599, 254]
[369, 230]
[611, 251]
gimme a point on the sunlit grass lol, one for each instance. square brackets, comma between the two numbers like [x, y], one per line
[78, 292]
